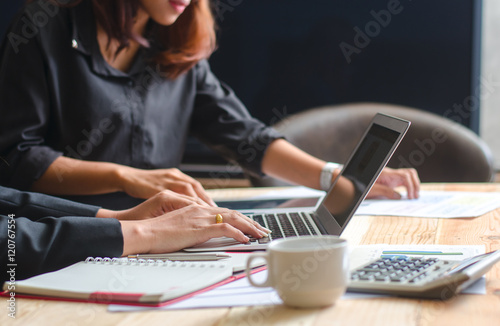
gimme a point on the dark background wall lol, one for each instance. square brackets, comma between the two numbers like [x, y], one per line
[287, 53]
[8, 8]
[284, 56]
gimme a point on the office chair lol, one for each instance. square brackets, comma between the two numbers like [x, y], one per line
[440, 150]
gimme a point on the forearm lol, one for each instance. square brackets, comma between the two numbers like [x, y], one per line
[287, 162]
[136, 239]
[68, 176]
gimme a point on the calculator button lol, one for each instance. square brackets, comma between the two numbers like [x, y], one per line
[381, 278]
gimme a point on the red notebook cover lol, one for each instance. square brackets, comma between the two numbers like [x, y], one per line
[110, 298]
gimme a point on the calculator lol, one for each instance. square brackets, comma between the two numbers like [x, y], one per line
[420, 277]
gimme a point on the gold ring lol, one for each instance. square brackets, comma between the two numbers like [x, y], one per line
[218, 219]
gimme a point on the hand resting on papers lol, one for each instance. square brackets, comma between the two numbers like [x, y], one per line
[392, 178]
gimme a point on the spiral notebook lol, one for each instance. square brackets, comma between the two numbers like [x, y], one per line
[125, 280]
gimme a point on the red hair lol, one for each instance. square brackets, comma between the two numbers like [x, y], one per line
[190, 39]
[176, 48]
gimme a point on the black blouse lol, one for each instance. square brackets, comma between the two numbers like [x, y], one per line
[58, 96]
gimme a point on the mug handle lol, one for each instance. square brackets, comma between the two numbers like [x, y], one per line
[267, 282]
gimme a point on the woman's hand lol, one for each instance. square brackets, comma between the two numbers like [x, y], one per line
[392, 178]
[161, 203]
[186, 227]
[146, 183]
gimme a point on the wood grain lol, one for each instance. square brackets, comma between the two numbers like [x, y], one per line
[464, 310]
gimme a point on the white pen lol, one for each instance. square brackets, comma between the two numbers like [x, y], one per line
[182, 256]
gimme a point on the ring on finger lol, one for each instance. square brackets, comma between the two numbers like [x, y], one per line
[219, 219]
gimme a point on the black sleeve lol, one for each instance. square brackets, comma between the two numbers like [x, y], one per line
[222, 122]
[35, 205]
[25, 107]
[30, 247]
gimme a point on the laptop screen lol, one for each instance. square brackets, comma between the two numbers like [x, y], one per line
[358, 175]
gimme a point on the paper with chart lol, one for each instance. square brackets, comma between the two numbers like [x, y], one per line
[434, 204]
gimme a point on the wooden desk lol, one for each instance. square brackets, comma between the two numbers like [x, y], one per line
[464, 310]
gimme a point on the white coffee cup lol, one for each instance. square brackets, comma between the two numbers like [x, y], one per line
[307, 272]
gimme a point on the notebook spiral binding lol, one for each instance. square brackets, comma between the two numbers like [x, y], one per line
[149, 262]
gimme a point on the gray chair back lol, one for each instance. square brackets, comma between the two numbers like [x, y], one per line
[440, 149]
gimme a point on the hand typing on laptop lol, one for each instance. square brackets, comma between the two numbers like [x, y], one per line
[345, 194]
[170, 222]
[187, 227]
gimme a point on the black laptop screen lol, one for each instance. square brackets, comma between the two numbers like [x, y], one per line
[348, 192]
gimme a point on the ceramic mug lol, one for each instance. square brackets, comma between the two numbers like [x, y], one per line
[307, 271]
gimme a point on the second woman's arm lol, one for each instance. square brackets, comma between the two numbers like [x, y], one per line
[287, 162]
[68, 176]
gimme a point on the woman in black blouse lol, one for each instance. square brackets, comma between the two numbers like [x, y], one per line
[99, 97]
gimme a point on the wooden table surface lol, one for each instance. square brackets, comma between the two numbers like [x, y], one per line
[463, 310]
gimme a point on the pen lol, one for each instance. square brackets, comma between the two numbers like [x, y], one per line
[181, 257]
[418, 252]
[397, 257]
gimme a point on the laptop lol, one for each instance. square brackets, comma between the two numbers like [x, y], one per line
[331, 215]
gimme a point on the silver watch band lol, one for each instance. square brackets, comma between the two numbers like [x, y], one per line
[325, 179]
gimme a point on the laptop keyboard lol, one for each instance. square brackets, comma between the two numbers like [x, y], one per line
[285, 225]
